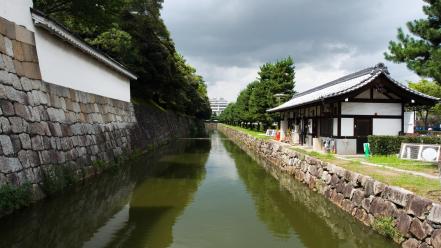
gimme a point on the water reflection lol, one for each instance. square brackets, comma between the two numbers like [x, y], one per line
[138, 205]
[158, 201]
[194, 193]
[289, 208]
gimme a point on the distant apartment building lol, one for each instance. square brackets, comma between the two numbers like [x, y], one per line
[218, 105]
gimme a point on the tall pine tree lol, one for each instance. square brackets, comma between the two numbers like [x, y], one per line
[421, 49]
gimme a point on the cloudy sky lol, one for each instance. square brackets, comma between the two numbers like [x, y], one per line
[227, 40]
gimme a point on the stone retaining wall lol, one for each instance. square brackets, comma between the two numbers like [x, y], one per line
[416, 218]
[43, 125]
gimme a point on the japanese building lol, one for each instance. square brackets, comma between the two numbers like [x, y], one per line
[339, 116]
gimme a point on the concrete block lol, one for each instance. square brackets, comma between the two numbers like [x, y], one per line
[346, 146]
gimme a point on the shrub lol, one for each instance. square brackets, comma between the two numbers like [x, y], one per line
[386, 227]
[387, 145]
[57, 178]
[15, 197]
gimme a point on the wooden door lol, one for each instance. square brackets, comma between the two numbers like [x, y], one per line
[362, 129]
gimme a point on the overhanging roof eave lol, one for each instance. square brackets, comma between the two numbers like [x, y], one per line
[43, 21]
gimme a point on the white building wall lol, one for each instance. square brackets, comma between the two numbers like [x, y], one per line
[361, 108]
[386, 126]
[284, 127]
[347, 126]
[17, 11]
[335, 126]
[64, 65]
[409, 122]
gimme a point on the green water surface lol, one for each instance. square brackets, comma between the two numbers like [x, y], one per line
[194, 193]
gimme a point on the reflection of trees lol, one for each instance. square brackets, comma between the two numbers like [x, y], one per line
[285, 204]
[262, 188]
[73, 218]
[158, 201]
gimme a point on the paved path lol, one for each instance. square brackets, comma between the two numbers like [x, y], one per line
[415, 173]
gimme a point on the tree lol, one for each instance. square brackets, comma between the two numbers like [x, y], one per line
[431, 89]
[133, 32]
[274, 78]
[253, 102]
[421, 49]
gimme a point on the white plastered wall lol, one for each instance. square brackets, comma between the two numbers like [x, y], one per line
[335, 127]
[62, 64]
[284, 126]
[409, 122]
[361, 108]
[17, 11]
[347, 126]
[386, 126]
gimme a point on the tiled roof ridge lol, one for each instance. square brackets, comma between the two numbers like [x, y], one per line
[369, 70]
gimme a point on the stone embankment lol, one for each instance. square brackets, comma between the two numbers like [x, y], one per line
[44, 126]
[416, 218]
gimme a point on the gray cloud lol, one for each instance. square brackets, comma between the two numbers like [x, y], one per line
[329, 37]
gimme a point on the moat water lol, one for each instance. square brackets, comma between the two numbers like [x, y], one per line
[203, 192]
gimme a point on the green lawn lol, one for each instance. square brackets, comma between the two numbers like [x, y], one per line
[255, 134]
[419, 185]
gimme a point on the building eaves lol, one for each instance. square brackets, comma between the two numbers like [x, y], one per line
[45, 22]
[342, 86]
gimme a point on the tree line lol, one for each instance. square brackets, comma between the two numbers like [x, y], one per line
[275, 83]
[420, 50]
[133, 32]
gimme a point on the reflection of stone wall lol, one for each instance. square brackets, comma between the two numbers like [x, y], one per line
[76, 216]
[44, 125]
[418, 219]
[303, 210]
[70, 219]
